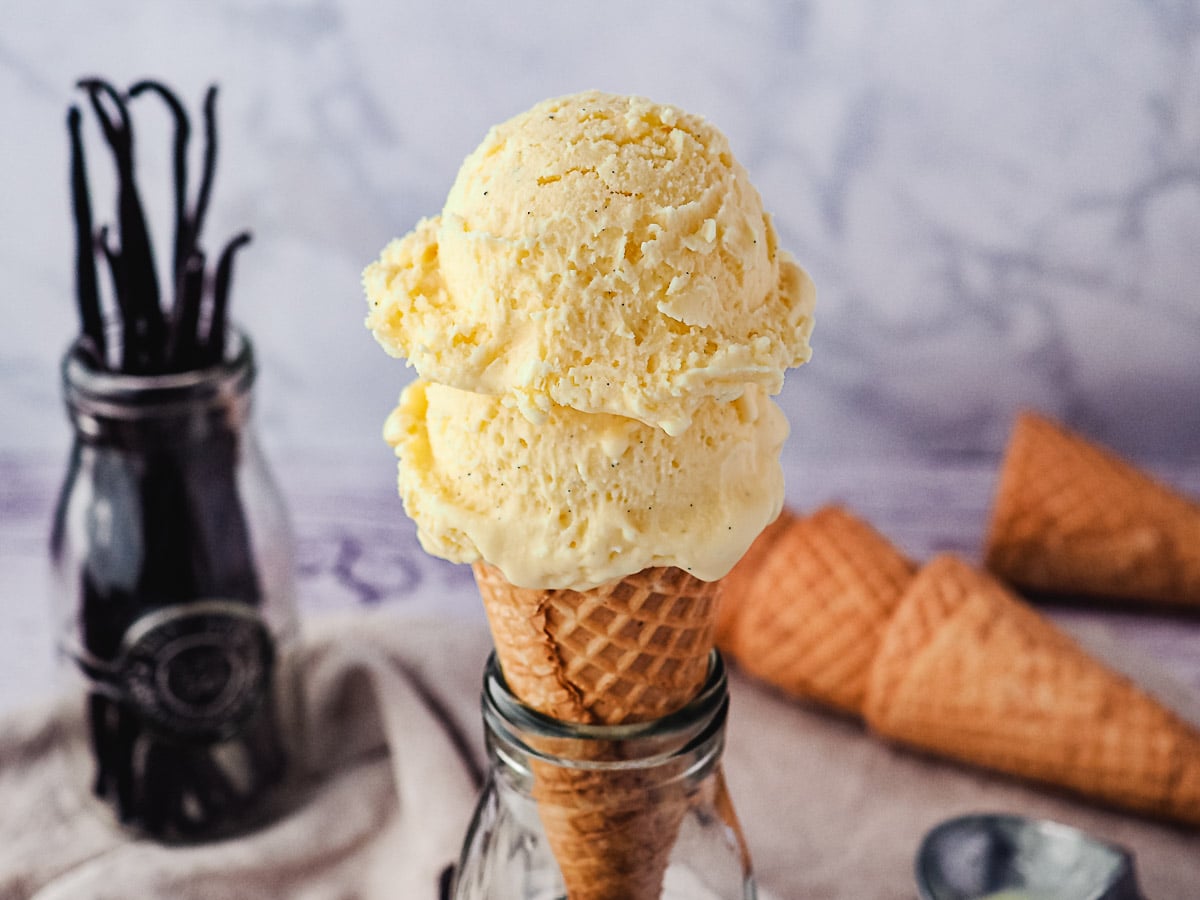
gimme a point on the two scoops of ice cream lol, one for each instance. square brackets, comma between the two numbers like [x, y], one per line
[598, 318]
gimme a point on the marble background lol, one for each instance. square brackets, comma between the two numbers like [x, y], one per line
[999, 202]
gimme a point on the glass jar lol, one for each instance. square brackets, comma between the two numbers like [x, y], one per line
[638, 811]
[173, 569]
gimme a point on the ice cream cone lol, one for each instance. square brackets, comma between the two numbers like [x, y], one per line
[630, 650]
[810, 617]
[1071, 518]
[969, 671]
[739, 583]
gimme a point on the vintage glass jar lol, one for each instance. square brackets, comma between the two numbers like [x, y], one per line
[618, 789]
[173, 569]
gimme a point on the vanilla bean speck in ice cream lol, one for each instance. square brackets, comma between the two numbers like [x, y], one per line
[598, 317]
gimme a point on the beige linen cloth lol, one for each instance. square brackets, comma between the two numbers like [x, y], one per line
[395, 751]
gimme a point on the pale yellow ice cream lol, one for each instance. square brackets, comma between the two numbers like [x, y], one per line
[579, 499]
[600, 252]
[598, 317]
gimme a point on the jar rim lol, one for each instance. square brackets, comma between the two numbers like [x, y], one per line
[696, 722]
[120, 395]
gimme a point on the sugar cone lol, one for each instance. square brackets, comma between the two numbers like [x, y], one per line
[739, 583]
[1071, 518]
[811, 618]
[629, 650]
[968, 670]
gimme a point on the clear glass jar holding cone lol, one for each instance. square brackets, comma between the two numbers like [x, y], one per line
[599, 812]
[173, 568]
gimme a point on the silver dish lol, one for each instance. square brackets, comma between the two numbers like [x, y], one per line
[1007, 856]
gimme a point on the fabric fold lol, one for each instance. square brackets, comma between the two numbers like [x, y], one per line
[389, 788]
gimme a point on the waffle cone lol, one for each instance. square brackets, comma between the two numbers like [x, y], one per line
[741, 582]
[1071, 518]
[630, 650]
[967, 670]
[813, 613]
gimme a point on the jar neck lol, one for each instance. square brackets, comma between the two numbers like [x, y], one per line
[687, 743]
[134, 411]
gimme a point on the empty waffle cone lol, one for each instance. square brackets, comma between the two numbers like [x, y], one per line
[811, 615]
[739, 583]
[1071, 518]
[969, 671]
[630, 650]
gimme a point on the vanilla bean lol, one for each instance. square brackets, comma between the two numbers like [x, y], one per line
[265, 753]
[183, 349]
[86, 288]
[152, 340]
[210, 162]
[138, 280]
[160, 789]
[125, 307]
[122, 745]
[215, 344]
[183, 236]
[215, 794]
[98, 706]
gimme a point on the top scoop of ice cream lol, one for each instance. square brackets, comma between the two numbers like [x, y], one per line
[599, 252]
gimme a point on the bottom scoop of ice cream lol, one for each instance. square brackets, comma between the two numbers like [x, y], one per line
[580, 499]
[601, 252]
